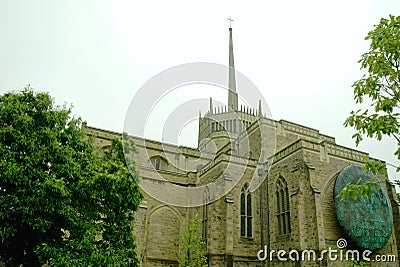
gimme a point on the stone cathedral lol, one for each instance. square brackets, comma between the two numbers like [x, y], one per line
[292, 208]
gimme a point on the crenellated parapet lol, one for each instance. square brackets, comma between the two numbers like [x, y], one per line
[324, 148]
[225, 109]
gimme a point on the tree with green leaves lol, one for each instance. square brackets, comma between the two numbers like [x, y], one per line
[63, 202]
[380, 88]
[191, 247]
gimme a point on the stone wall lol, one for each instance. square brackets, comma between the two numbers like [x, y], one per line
[307, 160]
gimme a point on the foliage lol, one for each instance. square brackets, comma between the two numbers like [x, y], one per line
[380, 87]
[364, 190]
[354, 190]
[62, 201]
[359, 264]
[191, 247]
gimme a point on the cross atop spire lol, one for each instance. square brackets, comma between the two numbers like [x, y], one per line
[230, 21]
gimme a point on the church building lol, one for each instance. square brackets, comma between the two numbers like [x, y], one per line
[258, 182]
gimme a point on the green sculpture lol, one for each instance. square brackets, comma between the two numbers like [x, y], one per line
[366, 222]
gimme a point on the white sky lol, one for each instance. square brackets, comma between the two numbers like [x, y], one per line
[302, 55]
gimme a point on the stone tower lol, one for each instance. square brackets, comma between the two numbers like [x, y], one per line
[224, 123]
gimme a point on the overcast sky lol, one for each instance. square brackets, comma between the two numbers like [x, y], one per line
[302, 55]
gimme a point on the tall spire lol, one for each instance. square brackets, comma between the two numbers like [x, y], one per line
[232, 94]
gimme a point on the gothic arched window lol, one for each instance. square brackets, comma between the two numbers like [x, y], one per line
[283, 207]
[246, 216]
[158, 163]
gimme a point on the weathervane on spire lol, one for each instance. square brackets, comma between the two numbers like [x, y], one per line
[230, 21]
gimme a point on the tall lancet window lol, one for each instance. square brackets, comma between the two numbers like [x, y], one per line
[204, 223]
[283, 206]
[246, 215]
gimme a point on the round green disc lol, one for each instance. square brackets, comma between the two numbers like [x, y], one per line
[366, 222]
